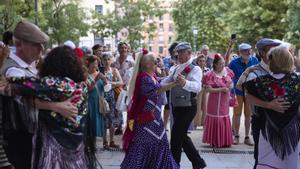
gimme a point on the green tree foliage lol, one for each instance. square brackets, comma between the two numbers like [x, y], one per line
[255, 19]
[12, 11]
[217, 19]
[294, 22]
[208, 17]
[129, 14]
[61, 21]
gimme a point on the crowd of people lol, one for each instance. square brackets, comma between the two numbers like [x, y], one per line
[55, 103]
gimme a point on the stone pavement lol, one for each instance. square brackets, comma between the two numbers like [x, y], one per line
[235, 157]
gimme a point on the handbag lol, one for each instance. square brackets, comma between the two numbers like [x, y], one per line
[117, 90]
[233, 102]
[103, 104]
[121, 101]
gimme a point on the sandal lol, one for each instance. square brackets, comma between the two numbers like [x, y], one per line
[105, 145]
[112, 144]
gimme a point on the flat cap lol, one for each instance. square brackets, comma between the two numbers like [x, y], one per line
[183, 46]
[30, 32]
[244, 46]
[266, 42]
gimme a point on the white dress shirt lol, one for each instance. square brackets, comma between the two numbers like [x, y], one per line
[193, 79]
[17, 72]
[252, 75]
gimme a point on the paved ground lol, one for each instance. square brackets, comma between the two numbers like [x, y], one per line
[235, 157]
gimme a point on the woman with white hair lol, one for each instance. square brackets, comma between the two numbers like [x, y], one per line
[145, 139]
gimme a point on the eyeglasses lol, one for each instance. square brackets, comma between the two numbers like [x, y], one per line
[157, 61]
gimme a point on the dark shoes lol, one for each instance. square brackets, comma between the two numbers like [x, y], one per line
[119, 131]
[201, 164]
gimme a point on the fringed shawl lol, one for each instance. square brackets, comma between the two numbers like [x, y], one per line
[281, 130]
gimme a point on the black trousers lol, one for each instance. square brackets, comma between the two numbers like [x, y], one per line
[19, 148]
[183, 116]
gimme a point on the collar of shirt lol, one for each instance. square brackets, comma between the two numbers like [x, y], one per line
[265, 66]
[23, 64]
[278, 76]
[181, 67]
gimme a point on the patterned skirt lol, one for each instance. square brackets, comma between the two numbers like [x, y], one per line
[48, 153]
[150, 149]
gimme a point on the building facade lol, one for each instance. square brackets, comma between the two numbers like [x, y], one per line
[102, 7]
[160, 41]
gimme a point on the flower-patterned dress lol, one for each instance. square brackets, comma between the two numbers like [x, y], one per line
[217, 126]
[113, 117]
[280, 135]
[57, 142]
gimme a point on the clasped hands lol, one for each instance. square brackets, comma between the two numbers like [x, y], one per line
[225, 90]
[180, 80]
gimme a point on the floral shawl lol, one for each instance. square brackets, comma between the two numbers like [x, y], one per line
[282, 130]
[56, 89]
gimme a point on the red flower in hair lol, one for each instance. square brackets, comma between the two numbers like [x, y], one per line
[217, 56]
[145, 51]
[79, 53]
[187, 70]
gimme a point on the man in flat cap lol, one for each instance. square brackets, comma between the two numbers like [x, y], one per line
[184, 104]
[20, 116]
[238, 66]
[263, 46]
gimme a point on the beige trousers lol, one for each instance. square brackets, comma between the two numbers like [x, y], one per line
[201, 108]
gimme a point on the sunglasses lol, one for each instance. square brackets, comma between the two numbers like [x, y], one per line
[157, 61]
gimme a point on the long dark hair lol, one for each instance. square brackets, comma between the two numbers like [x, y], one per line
[62, 62]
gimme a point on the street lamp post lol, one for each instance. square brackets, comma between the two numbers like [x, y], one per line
[36, 11]
[195, 34]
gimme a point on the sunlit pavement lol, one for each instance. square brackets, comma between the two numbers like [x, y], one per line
[236, 157]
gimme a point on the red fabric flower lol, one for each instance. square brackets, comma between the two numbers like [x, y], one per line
[187, 70]
[145, 51]
[72, 84]
[77, 92]
[75, 99]
[79, 53]
[280, 92]
[28, 84]
[217, 56]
